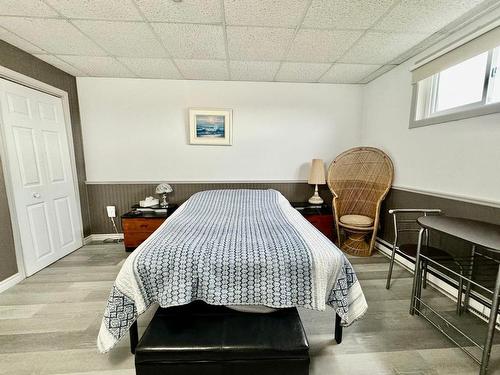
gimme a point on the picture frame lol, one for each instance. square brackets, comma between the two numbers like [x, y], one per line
[210, 126]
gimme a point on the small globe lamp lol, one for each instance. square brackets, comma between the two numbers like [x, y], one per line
[164, 189]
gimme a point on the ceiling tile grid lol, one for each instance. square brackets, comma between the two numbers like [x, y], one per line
[151, 67]
[253, 70]
[19, 42]
[203, 69]
[98, 66]
[132, 39]
[58, 63]
[273, 13]
[326, 41]
[192, 41]
[258, 43]
[188, 11]
[32, 8]
[321, 45]
[301, 72]
[97, 9]
[380, 47]
[348, 73]
[55, 36]
[345, 14]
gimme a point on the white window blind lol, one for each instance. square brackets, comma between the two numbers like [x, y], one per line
[474, 47]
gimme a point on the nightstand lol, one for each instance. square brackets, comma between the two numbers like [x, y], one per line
[320, 216]
[138, 227]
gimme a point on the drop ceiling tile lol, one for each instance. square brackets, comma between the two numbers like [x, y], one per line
[253, 70]
[151, 68]
[301, 72]
[64, 66]
[188, 41]
[53, 35]
[131, 39]
[194, 11]
[377, 73]
[98, 66]
[424, 15]
[286, 13]
[203, 69]
[19, 42]
[97, 9]
[258, 43]
[345, 14]
[35, 8]
[348, 73]
[321, 45]
[381, 47]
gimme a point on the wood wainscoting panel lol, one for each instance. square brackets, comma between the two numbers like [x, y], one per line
[123, 196]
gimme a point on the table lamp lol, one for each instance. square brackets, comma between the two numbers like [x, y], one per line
[164, 189]
[316, 177]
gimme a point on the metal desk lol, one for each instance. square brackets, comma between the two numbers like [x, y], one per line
[476, 233]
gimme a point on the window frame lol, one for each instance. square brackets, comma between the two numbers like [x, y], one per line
[432, 117]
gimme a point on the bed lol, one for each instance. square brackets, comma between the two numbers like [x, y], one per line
[247, 249]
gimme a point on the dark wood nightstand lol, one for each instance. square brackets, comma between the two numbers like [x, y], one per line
[320, 216]
[138, 227]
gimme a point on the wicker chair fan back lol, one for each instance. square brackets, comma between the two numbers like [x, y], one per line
[359, 179]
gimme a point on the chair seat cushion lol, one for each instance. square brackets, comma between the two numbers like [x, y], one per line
[356, 220]
[200, 332]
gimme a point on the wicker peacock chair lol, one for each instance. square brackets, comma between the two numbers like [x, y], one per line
[359, 179]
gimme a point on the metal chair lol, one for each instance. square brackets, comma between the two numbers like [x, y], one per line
[405, 222]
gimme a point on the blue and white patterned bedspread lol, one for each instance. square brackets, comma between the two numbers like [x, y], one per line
[232, 247]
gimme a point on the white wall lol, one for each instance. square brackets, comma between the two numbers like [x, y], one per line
[136, 129]
[460, 158]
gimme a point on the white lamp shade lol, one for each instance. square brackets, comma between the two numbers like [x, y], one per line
[163, 188]
[317, 174]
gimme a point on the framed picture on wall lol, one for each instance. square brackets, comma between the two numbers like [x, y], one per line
[210, 126]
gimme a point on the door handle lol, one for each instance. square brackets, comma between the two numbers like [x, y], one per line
[36, 195]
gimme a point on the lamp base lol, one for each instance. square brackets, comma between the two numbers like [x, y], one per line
[316, 199]
[164, 202]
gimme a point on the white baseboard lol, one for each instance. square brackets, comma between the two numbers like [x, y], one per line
[101, 237]
[10, 281]
[477, 308]
[87, 240]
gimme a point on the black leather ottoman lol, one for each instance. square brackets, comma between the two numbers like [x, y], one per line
[201, 339]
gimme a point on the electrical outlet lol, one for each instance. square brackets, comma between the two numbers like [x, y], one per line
[111, 211]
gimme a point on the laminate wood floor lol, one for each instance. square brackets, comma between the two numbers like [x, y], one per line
[49, 324]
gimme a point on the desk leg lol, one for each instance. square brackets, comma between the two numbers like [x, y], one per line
[134, 336]
[470, 274]
[417, 278]
[491, 326]
[338, 329]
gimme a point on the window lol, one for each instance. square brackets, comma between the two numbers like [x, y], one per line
[461, 84]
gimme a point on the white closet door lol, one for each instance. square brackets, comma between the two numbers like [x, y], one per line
[39, 162]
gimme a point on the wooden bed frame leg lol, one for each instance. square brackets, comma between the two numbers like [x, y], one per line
[134, 336]
[338, 329]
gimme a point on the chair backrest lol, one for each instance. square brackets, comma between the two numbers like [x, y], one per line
[359, 179]
[405, 224]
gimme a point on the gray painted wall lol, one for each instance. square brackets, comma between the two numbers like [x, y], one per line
[8, 264]
[24, 63]
[451, 207]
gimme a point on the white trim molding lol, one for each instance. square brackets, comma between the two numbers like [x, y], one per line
[10, 281]
[33, 83]
[456, 197]
[103, 236]
[196, 182]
